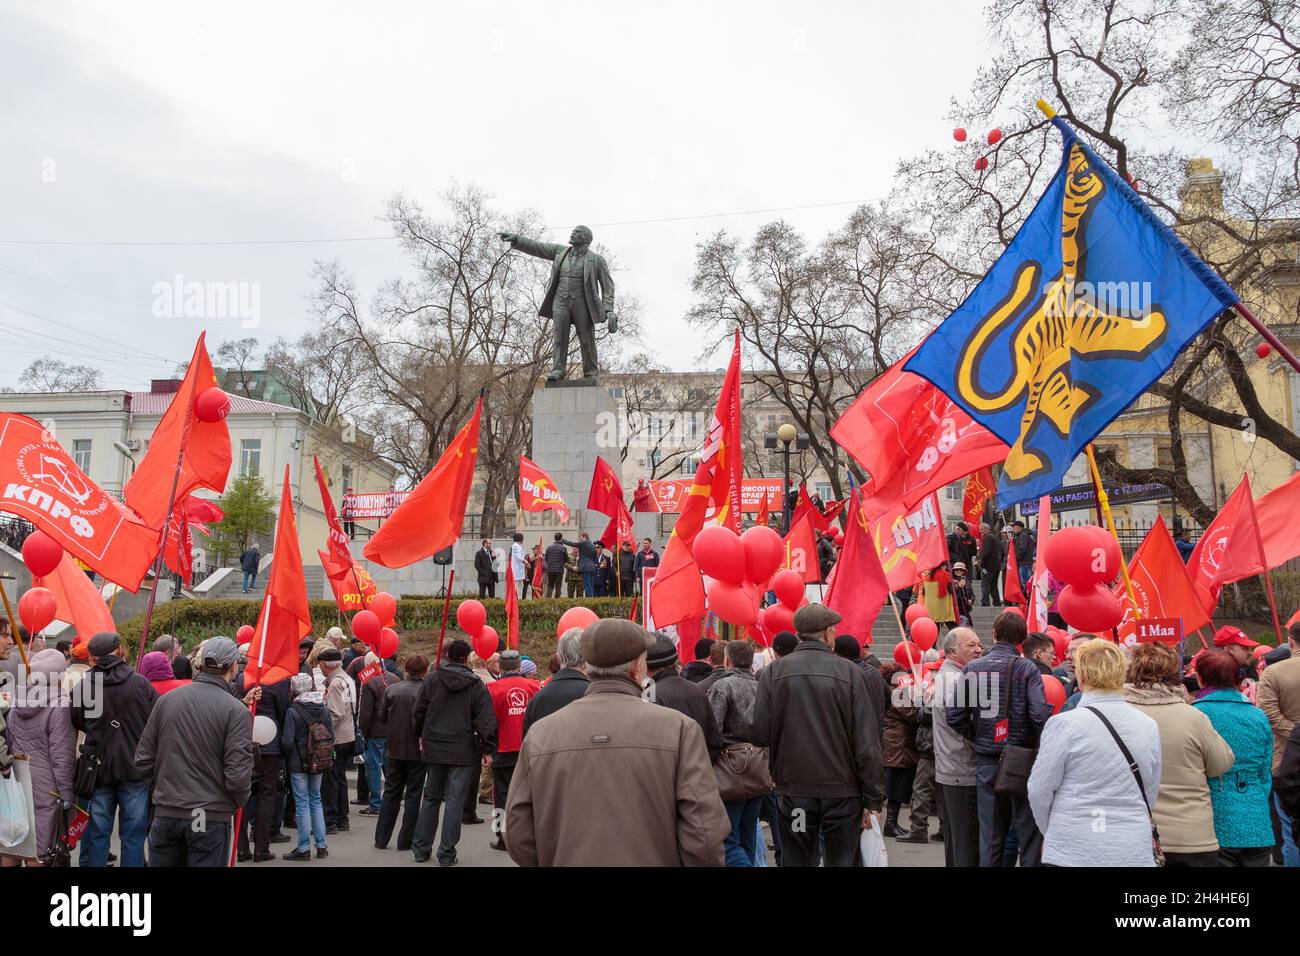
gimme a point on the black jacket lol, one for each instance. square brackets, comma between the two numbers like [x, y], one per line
[991, 557]
[483, 565]
[981, 707]
[274, 703]
[586, 555]
[646, 559]
[293, 736]
[814, 713]
[454, 718]
[554, 556]
[626, 564]
[396, 711]
[696, 671]
[370, 716]
[249, 561]
[877, 693]
[962, 549]
[565, 687]
[681, 695]
[1286, 782]
[1023, 542]
[112, 690]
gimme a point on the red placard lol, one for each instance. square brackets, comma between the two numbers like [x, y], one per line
[1165, 630]
[668, 495]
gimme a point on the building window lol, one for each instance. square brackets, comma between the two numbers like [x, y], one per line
[250, 456]
[656, 428]
[689, 464]
[616, 391]
[954, 492]
[654, 458]
[347, 477]
[81, 453]
[823, 490]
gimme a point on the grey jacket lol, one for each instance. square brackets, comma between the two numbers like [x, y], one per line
[597, 283]
[954, 755]
[731, 696]
[197, 751]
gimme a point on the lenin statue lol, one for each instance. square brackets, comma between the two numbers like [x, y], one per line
[579, 295]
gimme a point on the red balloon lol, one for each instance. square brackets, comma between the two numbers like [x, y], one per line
[924, 633]
[982, 164]
[1090, 608]
[720, 554]
[761, 637]
[914, 613]
[245, 634]
[777, 618]
[366, 627]
[1060, 644]
[1055, 692]
[959, 135]
[1014, 610]
[788, 586]
[388, 642]
[995, 135]
[36, 609]
[385, 607]
[486, 642]
[578, 617]
[1263, 349]
[471, 615]
[212, 405]
[901, 650]
[763, 552]
[731, 603]
[41, 553]
[1082, 555]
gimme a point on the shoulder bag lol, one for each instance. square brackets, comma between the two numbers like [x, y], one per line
[1016, 762]
[1156, 850]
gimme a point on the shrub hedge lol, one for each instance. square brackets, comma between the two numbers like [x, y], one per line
[196, 620]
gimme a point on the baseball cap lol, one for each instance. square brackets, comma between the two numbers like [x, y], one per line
[1229, 635]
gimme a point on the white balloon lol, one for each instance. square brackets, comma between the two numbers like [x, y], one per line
[264, 729]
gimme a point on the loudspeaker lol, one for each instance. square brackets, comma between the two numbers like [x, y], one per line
[443, 556]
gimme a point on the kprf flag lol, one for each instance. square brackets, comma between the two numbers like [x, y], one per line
[352, 584]
[1037, 599]
[801, 550]
[537, 492]
[1276, 513]
[336, 538]
[39, 481]
[203, 449]
[606, 494]
[1088, 305]
[980, 487]
[912, 439]
[678, 592]
[858, 587]
[77, 601]
[910, 541]
[1160, 584]
[285, 618]
[1229, 550]
[430, 518]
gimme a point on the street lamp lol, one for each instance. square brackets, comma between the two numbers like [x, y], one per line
[121, 449]
[787, 435]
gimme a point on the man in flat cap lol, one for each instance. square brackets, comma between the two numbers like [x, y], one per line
[612, 780]
[197, 753]
[111, 705]
[813, 712]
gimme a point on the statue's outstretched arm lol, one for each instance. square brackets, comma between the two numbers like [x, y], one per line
[533, 247]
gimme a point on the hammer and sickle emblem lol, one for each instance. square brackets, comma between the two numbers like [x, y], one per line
[1048, 327]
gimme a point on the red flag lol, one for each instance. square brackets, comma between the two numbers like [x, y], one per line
[203, 447]
[912, 438]
[178, 545]
[618, 530]
[761, 518]
[512, 608]
[801, 550]
[909, 541]
[352, 584]
[724, 441]
[1230, 549]
[77, 600]
[805, 508]
[678, 591]
[858, 587]
[1160, 584]
[1036, 610]
[606, 495]
[43, 484]
[285, 618]
[1011, 589]
[1276, 513]
[980, 487]
[430, 518]
[337, 538]
[537, 492]
[539, 567]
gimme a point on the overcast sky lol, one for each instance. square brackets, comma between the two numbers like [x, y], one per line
[135, 136]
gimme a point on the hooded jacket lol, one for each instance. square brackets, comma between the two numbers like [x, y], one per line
[306, 709]
[197, 751]
[40, 726]
[110, 691]
[453, 717]
[562, 689]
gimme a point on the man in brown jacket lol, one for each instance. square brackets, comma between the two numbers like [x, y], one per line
[612, 780]
[1278, 696]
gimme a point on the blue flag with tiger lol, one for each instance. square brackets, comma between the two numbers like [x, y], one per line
[1088, 305]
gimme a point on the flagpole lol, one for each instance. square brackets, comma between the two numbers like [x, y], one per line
[446, 606]
[167, 526]
[1269, 337]
[1110, 521]
[13, 629]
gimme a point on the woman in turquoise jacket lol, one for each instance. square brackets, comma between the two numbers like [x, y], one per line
[1240, 797]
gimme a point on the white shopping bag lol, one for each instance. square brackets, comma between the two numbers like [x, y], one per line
[872, 845]
[16, 836]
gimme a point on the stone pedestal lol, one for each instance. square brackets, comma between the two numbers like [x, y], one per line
[573, 424]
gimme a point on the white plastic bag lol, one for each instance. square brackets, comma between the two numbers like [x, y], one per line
[14, 825]
[872, 845]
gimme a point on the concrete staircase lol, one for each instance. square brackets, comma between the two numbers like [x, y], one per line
[885, 635]
[231, 585]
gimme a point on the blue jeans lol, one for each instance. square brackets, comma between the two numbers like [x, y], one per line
[1290, 853]
[1026, 571]
[588, 583]
[131, 797]
[741, 843]
[375, 771]
[308, 813]
[250, 580]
